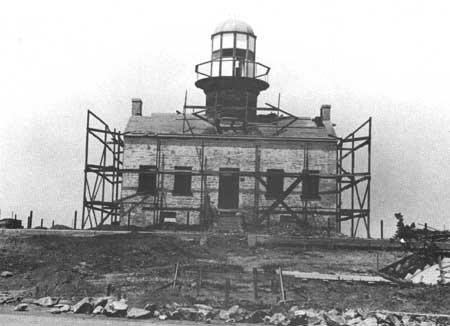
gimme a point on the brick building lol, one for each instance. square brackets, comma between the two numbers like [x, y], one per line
[229, 160]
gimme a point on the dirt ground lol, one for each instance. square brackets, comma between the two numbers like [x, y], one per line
[141, 268]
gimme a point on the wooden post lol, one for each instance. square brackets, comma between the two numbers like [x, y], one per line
[187, 217]
[199, 281]
[53, 224]
[441, 271]
[175, 276]
[129, 220]
[283, 293]
[15, 217]
[227, 292]
[42, 222]
[378, 262]
[108, 289]
[30, 220]
[75, 220]
[255, 283]
[329, 227]
[381, 229]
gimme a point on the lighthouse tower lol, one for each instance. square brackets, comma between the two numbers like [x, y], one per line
[232, 79]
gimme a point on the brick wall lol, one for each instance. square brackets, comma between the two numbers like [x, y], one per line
[225, 153]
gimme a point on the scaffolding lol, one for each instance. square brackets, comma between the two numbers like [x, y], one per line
[353, 193]
[102, 173]
[352, 184]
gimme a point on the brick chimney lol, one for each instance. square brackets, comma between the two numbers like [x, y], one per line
[325, 112]
[136, 106]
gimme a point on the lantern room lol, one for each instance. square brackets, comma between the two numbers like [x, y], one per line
[232, 79]
[233, 50]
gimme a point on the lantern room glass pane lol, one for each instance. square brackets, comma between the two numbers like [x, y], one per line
[216, 42]
[251, 43]
[215, 68]
[241, 41]
[227, 41]
[250, 69]
[227, 68]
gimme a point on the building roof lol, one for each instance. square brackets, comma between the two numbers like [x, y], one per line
[234, 25]
[172, 124]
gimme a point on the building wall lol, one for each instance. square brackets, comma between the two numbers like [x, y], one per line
[225, 153]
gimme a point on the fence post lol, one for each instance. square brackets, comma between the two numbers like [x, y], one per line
[42, 222]
[283, 292]
[30, 220]
[329, 227]
[382, 229]
[255, 283]
[227, 292]
[378, 262]
[199, 280]
[75, 220]
[175, 277]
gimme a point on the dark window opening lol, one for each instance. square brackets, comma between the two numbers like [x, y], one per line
[275, 183]
[182, 181]
[310, 188]
[147, 181]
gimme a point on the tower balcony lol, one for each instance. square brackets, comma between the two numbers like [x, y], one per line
[232, 67]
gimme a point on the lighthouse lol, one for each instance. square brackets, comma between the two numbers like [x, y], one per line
[232, 79]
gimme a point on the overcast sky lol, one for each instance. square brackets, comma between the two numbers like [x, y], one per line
[385, 59]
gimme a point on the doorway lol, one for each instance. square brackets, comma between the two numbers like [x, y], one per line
[228, 188]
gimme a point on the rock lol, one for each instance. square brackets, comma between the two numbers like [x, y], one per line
[235, 312]
[84, 306]
[354, 321]
[45, 302]
[120, 305]
[116, 309]
[64, 308]
[102, 301]
[136, 313]
[371, 321]
[64, 302]
[151, 307]
[98, 310]
[162, 316]
[21, 307]
[54, 311]
[333, 319]
[191, 314]
[203, 306]
[6, 274]
[393, 320]
[427, 323]
[277, 319]
[350, 314]
[380, 316]
[316, 321]
[257, 316]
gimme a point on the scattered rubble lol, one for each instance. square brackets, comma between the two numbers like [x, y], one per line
[278, 315]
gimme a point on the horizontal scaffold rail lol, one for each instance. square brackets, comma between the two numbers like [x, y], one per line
[247, 173]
